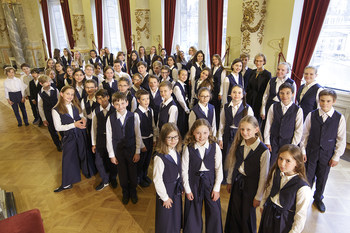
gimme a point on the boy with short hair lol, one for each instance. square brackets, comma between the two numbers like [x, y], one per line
[98, 71]
[168, 111]
[89, 73]
[89, 103]
[164, 72]
[124, 85]
[323, 142]
[108, 171]
[34, 89]
[47, 99]
[155, 98]
[148, 133]
[136, 84]
[157, 66]
[142, 69]
[118, 72]
[26, 78]
[123, 145]
[284, 122]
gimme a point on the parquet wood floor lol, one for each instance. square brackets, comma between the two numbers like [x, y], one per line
[30, 167]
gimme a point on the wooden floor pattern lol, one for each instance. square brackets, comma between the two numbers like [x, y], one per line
[30, 167]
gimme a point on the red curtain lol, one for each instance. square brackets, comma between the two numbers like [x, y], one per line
[67, 22]
[99, 22]
[314, 12]
[169, 20]
[47, 25]
[126, 20]
[215, 18]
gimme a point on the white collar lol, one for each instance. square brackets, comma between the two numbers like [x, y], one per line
[168, 101]
[329, 113]
[206, 145]
[252, 146]
[237, 106]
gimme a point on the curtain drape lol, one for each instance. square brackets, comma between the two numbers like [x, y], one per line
[47, 25]
[99, 23]
[215, 18]
[169, 19]
[126, 21]
[314, 12]
[67, 22]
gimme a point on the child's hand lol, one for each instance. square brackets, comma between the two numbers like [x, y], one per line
[221, 144]
[34, 102]
[190, 196]
[46, 123]
[27, 97]
[305, 158]
[256, 203]
[114, 160]
[262, 116]
[10, 102]
[83, 120]
[136, 158]
[219, 97]
[144, 149]
[93, 148]
[167, 203]
[228, 188]
[269, 146]
[79, 124]
[215, 195]
[333, 163]
[23, 100]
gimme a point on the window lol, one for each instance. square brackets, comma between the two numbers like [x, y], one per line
[57, 26]
[112, 32]
[332, 52]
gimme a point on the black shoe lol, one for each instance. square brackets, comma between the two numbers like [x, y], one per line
[144, 184]
[125, 199]
[147, 179]
[134, 199]
[59, 148]
[61, 188]
[101, 186]
[26, 124]
[114, 183]
[319, 205]
[19, 125]
[36, 121]
[40, 124]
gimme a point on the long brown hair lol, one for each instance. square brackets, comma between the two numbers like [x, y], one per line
[209, 81]
[220, 61]
[231, 157]
[162, 146]
[191, 140]
[295, 152]
[61, 106]
[244, 99]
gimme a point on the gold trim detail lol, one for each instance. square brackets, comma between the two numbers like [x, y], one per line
[142, 24]
[78, 27]
[3, 29]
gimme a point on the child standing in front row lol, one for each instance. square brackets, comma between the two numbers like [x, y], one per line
[284, 123]
[123, 145]
[202, 176]
[248, 167]
[68, 117]
[167, 180]
[286, 197]
[14, 93]
[324, 141]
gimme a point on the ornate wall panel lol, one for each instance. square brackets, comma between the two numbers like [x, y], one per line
[79, 31]
[143, 35]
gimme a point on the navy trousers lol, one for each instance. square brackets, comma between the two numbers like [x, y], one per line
[127, 170]
[104, 166]
[145, 159]
[16, 98]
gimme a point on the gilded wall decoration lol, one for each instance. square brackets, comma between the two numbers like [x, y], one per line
[79, 32]
[3, 29]
[143, 34]
[253, 22]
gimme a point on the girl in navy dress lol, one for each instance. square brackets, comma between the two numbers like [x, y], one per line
[181, 60]
[121, 57]
[248, 166]
[59, 75]
[68, 77]
[78, 83]
[68, 118]
[109, 83]
[287, 195]
[233, 79]
[14, 93]
[173, 68]
[205, 80]
[167, 180]
[134, 59]
[66, 58]
[198, 64]
[202, 176]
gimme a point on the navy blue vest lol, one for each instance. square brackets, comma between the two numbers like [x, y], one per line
[49, 102]
[98, 60]
[83, 94]
[272, 93]
[287, 195]
[123, 136]
[89, 108]
[145, 122]
[251, 163]
[109, 59]
[308, 102]
[195, 163]
[145, 84]
[201, 115]
[65, 62]
[155, 105]
[283, 126]
[183, 93]
[233, 83]
[164, 114]
[101, 126]
[229, 119]
[110, 90]
[323, 135]
[129, 97]
[198, 70]
[66, 119]
[217, 81]
[171, 173]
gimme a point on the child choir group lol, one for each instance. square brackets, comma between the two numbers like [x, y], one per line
[204, 126]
